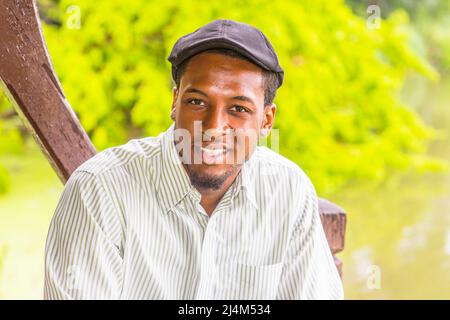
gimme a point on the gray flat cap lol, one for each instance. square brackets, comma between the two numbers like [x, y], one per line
[228, 34]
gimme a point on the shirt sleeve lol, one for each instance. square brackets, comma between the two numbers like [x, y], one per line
[83, 259]
[309, 271]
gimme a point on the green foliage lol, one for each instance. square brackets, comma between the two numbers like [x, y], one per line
[338, 114]
[11, 141]
[5, 180]
[430, 20]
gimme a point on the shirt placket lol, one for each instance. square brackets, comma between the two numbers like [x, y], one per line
[209, 247]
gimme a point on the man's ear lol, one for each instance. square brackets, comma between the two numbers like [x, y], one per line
[174, 99]
[268, 119]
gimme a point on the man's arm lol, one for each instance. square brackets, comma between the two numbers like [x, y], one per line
[309, 271]
[82, 255]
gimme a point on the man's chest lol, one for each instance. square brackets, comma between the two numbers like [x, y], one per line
[184, 254]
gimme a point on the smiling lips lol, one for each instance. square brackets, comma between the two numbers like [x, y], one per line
[213, 153]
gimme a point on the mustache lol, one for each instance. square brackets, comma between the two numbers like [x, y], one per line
[228, 139]
[215, 142]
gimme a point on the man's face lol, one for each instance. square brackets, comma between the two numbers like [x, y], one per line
[220, 104]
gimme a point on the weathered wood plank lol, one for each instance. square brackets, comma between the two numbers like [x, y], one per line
[334, 221]
[28, 78]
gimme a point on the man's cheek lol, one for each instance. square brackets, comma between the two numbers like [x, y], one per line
[244, 146]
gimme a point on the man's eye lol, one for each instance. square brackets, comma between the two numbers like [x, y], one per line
[239, 109]
[196, 102]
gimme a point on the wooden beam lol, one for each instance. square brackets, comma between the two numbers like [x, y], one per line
[334, 220]
[28, 78]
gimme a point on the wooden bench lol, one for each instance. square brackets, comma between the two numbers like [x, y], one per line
[31, 84]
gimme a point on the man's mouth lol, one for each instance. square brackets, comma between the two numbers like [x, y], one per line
[213, 153]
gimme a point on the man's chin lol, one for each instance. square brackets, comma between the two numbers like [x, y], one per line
[212, 170]
[207, 176]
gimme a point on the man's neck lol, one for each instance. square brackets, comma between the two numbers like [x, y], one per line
[211, 198]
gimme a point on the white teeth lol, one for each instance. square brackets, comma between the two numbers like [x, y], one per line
[213, 152]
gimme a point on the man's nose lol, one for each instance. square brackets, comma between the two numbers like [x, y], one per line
[216, 121]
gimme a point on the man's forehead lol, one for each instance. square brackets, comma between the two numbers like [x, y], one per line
[219, 72]
[218, 60]
[225, 89]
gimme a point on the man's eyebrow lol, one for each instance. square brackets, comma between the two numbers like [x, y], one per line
[241, 98]
[244, 98]
[193, 90]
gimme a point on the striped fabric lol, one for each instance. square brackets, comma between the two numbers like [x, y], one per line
[129, 225]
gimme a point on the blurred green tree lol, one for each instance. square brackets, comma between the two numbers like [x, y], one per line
[430, 24]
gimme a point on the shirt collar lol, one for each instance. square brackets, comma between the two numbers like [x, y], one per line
[173, 183]
[246, 182]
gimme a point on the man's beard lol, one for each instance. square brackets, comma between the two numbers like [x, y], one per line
[204, 181]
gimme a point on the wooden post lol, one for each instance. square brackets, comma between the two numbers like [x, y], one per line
[29, 81]
[334, 221]
[28, 78]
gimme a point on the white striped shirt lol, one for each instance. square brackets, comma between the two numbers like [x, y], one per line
[129, 225]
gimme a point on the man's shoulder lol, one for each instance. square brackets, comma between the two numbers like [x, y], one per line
[121, 156]
[267, 162]
[272, 160]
